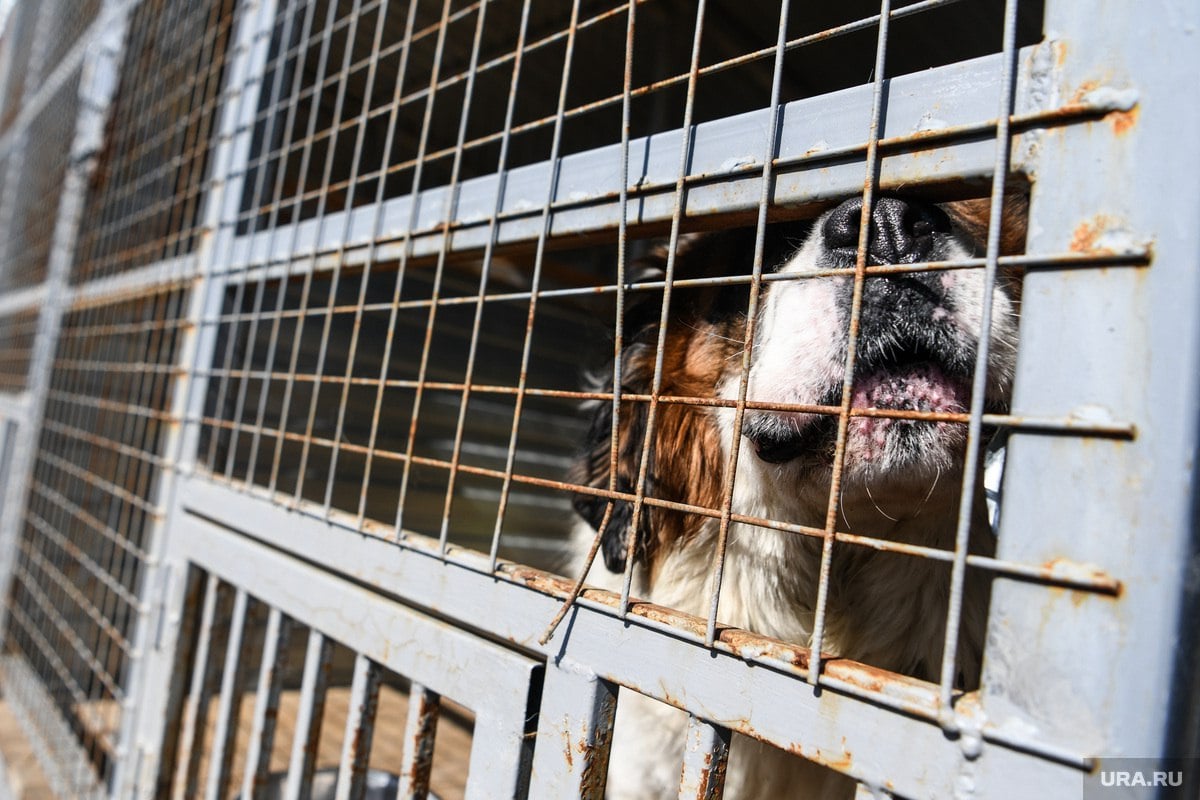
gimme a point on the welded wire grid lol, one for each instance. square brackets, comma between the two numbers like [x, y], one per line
[38, 185]
[76, 580]
[78, 588]
[17, 332]
[18, 41]
[408, 384]
[143, 205]
[69, 19]
[347, 376]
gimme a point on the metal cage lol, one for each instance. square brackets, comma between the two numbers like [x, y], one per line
[299, 301]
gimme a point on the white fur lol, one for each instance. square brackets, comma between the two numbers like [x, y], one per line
[897, 616]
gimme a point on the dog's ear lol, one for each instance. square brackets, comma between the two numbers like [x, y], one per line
[594, 467]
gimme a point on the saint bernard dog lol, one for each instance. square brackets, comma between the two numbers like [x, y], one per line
[916, 350]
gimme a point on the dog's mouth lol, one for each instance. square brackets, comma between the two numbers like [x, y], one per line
[913, 379]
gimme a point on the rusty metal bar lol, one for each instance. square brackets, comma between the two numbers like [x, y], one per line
[535, 279]
[360, 728]
[966, 504]
[313, 685]
[195, 708]
[260, 287]
[618, 340]
[839, 453]
[306, 287]
[272, 226]
[664, 316]
[577, 717]
[220, 751]
[739, 412]
[376, 225]
[266, 704]
[484, 274]
[439, 270]
[416, 185]
[420, 733]
[705, 752]
[338, 105]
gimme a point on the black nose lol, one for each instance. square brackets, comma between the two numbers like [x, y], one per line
[901, 231]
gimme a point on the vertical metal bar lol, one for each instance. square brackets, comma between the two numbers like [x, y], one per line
[261, 286]
[535, 280]
[501, 754]
[272, 224]
[225, 730]
[448, 213]
[705, 752]
[839, 453]
[685, 149]
[420, 732]
[360, 726]
[966, 503]
[308, 717]
[485, 273]
[574, 733]
[196, 705]
[248, 48]
[406, 253]
[266, 704]
[335, 280]
[768, 174]
[364, 280]
[306, 286]
[377, 229]
[618, 338]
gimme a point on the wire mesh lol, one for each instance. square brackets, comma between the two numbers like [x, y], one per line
[144, 200]
[75, 597]
[70, 19]
[17, 333]
[18, 40]
[39, 176]
[318, 147]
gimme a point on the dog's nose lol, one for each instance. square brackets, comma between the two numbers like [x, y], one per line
[901, 231]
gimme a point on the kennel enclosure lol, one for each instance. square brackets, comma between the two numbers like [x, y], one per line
[298, 300]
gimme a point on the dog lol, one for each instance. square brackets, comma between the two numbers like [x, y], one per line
[901, 480]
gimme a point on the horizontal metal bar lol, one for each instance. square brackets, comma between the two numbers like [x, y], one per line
[587, 194]
[1096, 259]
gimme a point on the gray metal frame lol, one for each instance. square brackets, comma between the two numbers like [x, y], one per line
[1095, 569]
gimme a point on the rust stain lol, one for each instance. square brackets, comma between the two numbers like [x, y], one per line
[1087, 233]
[1084, 89]
[1123, 121]
[841, 762]
[1060, 53]
[568, 750]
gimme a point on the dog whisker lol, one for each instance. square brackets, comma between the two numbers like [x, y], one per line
[867, 486]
